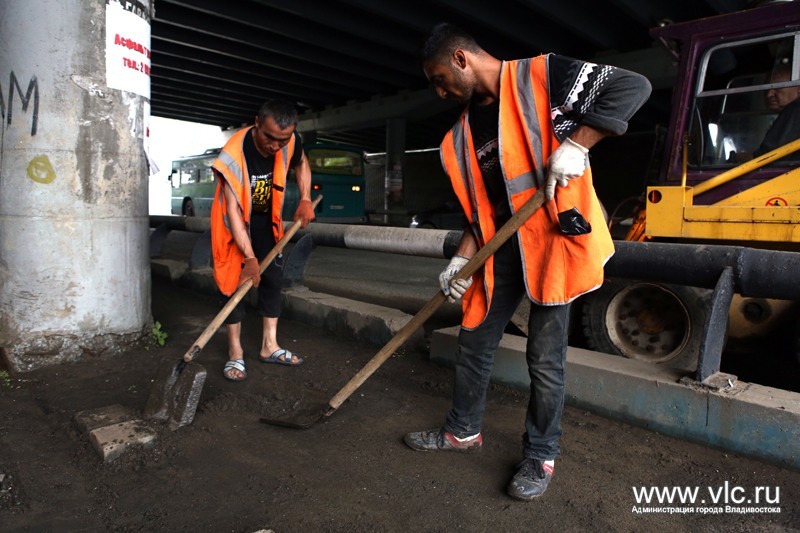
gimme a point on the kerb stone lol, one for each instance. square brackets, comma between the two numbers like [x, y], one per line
[112, 441]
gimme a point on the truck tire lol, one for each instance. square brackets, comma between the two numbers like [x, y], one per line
[653, 322]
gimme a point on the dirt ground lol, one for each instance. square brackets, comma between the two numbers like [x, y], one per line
[350, 472]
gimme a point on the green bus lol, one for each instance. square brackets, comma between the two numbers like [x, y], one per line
[337, 172]
[193, 184]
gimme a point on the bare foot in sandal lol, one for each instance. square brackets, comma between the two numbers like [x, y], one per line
[234, 369]
[282, 357]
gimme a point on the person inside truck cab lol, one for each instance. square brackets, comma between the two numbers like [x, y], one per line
[786, 102]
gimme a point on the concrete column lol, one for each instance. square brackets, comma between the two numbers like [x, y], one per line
[395, 154]
[74, 267]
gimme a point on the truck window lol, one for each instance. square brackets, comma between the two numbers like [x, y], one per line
[731, 113]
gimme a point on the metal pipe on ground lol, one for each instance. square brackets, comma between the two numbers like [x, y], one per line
[406, 241]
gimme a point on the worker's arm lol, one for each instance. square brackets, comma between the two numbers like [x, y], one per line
[305, 211]
[468, 245]
[587, 94]
[587, 136]
[590, 102]
[240, 235]
[236, 220]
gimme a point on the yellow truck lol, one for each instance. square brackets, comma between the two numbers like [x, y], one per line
[730, 175]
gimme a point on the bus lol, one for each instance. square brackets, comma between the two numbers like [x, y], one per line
[193, 184]
[337, 172]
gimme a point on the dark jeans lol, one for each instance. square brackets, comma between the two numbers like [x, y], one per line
[546, 355]
[269, 288]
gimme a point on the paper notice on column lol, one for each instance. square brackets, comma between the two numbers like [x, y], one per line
[128, 46]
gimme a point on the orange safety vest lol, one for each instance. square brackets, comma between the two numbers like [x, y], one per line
[230, 165]
[558, 268]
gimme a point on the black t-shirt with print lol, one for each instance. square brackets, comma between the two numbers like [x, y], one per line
[261, 168]
[483, 123]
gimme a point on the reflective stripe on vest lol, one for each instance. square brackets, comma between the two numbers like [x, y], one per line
[460, 141]
[526, 99]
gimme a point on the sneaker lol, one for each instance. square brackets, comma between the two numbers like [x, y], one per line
[439, 439]
[531, 479]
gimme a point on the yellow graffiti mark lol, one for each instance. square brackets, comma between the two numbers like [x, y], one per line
[40, 170]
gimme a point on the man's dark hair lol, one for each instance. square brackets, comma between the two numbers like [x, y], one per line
[442, 40]
[282, 112]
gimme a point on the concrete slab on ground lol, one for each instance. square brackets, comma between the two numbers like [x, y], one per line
[746, 418]
[113, 429]
[112, 441]
[91, 419]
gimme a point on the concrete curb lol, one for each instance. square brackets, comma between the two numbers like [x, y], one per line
[342, 316]
[745, 418]
[373, 323]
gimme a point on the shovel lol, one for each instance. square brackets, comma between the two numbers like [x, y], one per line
[307, 417]
[176, 389]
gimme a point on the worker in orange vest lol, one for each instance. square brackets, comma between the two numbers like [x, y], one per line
[527, 124]
[247, 221]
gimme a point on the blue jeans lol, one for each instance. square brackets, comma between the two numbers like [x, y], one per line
[546, 355]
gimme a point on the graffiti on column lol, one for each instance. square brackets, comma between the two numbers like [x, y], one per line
[7, 109]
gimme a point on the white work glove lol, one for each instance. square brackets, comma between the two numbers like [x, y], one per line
[568, 161]
[454, 289]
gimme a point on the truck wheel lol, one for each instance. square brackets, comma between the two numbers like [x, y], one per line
[657, 323]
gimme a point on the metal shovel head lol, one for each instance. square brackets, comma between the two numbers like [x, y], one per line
[160, 399]
[302, 419]
[186, 397]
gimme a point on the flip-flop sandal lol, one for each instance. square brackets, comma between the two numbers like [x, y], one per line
[236, 364]
[288, 356]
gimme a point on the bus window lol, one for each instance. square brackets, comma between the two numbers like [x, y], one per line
[337, 172]
[330, 161]
[193, 184]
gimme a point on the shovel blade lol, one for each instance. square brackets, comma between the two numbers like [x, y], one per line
[161, 392]
[301, 420]
[186, 397]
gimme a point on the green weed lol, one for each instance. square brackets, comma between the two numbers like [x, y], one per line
[159, 335]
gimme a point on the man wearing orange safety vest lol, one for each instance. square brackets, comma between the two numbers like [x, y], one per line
[527, 124]
[246, 222]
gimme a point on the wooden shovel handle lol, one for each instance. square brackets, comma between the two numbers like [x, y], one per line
[477, 261]
[237, 296]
